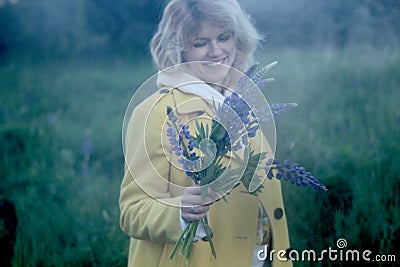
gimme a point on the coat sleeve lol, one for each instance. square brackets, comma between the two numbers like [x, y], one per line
[148, 209]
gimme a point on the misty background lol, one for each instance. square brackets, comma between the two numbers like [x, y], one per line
[116, 28]
[68, 69]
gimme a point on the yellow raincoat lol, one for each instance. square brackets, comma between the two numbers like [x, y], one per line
[152, 187]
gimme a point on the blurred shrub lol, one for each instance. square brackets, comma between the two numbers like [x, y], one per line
[77, 27]
[24, 157]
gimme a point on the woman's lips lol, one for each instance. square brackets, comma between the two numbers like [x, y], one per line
[216, 62]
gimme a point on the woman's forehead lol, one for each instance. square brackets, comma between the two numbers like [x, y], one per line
[207, 28]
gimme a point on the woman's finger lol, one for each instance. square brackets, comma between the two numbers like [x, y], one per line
[196, 209]
[194, 213]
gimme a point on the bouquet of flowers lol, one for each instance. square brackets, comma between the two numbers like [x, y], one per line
[236, 120]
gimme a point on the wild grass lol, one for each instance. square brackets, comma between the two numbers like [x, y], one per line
[346, 129]
[61, 154]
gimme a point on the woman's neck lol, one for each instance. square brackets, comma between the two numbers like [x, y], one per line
[221, 89]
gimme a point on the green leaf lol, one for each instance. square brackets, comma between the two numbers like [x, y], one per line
[210, 173]
[200, 130]
[218, 133]
[251, 168]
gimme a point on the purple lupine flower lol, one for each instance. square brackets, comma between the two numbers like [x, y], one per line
[239, 106]
[189, 167]
[294, 173]
[251, 132]
[250, 71]
[188, 137]
[278, 108]
[87, 149]
[178, 146]
[185, 130]
[171, 115]
[177, 139]
[173, 140]
[230, 123]
[258, 77]
[238, 118]
[245, 80]
[249, 86]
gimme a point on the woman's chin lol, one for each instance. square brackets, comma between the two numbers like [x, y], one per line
[216, 74]
[208, 72]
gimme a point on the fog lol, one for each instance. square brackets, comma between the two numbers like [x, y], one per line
[69, 67]
[333, 23]
[125, 26]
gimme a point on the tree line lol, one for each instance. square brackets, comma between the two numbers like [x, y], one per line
[76, 27]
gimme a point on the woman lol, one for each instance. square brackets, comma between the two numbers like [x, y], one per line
[157, 199]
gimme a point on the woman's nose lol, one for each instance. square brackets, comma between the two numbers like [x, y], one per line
[215, 49]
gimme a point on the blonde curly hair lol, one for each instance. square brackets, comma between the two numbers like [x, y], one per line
[180, 20]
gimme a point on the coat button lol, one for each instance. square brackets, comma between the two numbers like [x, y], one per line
[278, 213]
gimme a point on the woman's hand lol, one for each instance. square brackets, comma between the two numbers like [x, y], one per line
[193, 207]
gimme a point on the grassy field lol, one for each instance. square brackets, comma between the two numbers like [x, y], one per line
[61, 158]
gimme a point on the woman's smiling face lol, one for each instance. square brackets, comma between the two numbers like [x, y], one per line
[214, 46]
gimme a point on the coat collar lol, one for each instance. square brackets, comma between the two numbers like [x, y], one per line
[191, 94]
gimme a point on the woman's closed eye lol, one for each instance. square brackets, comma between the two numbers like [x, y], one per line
[199, 44]
[225, 37]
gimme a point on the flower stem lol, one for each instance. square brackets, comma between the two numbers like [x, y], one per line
[207, 229]
[179, 241]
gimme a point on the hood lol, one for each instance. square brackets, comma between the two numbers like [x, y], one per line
[187, 83]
